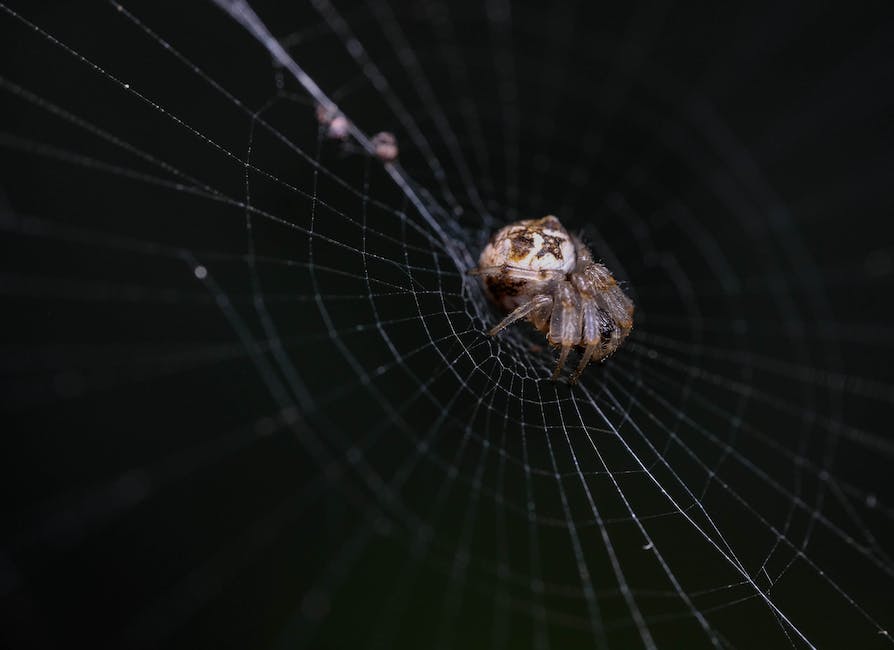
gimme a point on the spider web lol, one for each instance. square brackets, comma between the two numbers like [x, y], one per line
[254, 398]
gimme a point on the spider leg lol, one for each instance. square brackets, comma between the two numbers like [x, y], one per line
[590, 336]
[565, 323]
[619, 320]
[607, 314]
[536, 302]
[563, 356]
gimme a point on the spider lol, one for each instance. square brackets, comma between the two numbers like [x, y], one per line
[536, 270]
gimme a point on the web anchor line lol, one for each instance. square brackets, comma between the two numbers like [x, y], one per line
[242, 13]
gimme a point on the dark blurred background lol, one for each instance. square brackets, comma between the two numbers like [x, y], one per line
[248, 399]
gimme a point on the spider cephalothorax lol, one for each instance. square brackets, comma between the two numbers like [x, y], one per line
[538, 271]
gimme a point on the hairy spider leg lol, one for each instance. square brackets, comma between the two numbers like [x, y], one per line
[537, 302]
[615, 304]
[591, 335]
[565, 323]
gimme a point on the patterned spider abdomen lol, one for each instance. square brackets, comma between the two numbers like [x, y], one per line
[531, 245]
